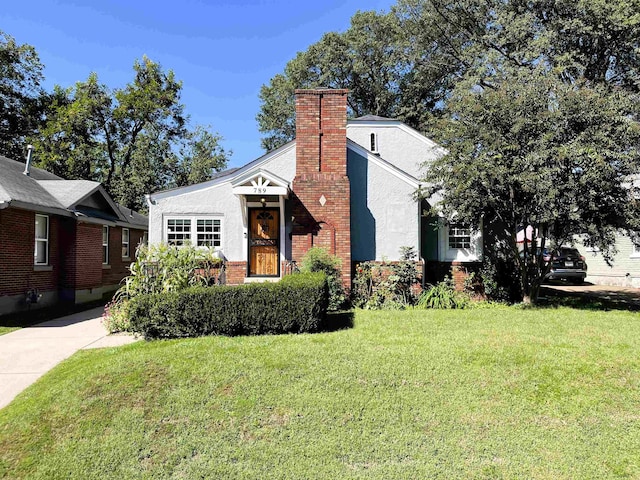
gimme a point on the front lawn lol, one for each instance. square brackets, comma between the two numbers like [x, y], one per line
[4, 330]
[495, 393]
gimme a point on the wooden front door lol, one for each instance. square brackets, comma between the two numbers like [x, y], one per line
[264, 242]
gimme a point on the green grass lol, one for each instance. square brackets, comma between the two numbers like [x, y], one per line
[4, 330]
[495, 393]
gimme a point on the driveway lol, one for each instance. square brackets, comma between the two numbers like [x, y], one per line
[26, 354]
[621, 297]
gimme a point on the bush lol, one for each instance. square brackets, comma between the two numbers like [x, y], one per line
[296, 304]
[389, 285]
[317, 259]
[161, 268]
[443, 295]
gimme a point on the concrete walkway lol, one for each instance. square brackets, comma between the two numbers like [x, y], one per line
[26, 354]
[614, 296]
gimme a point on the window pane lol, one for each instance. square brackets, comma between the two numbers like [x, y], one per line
[459, 236]
[178, 231]
[40, 255]
[105, 244]
[41, 226]
[208, 232]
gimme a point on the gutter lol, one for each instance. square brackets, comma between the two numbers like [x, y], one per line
[4, 205]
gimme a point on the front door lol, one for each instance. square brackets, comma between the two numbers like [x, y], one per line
[264, 242]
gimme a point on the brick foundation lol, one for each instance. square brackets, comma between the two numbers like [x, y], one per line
[235, 272]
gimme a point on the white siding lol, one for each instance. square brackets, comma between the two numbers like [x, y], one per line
[407, 151]
[624, 271]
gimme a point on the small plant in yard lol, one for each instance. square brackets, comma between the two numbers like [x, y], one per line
[443, 295]
[317, 259]
[387, 285]
[116, 317]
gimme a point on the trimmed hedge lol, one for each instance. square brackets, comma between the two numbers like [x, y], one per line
[295, 304]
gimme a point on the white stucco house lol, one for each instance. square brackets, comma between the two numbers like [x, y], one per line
[345, 185]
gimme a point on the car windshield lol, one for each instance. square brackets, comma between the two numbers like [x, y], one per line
[568, 252]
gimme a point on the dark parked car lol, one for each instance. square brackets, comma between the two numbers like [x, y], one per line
[566, 264]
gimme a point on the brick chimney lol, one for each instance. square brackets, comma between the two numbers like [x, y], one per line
[321, 193]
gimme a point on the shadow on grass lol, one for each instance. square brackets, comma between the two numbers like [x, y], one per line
[338, 321]
[602, 300]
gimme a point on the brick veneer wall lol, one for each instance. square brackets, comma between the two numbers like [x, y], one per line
[235, 272]
[75, 255]
[321, 193]
[17, 271]
[118, 267]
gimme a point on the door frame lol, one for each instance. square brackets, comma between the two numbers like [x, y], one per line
[278, 243]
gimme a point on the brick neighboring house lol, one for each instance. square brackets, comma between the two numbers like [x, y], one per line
[344, 185]
[60, 240]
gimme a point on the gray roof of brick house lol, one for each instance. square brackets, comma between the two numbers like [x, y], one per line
[69, 192]
[42, 190]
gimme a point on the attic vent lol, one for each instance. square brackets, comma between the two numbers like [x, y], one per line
[374, 143]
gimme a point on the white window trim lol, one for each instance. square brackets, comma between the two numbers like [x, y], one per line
[105, 245]
[635, 251]
[127, 243]
[41, 240]
[193, 233]
[472, 254]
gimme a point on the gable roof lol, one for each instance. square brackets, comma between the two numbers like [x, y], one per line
[226, 175]
[373, 118]
[46, 192]
[16, 187]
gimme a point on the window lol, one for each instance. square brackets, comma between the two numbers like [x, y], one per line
[208, 233]
[105, 244]
[125, 243]
[201, 231]
[374, 143]
[178, 231]
[459, 236]
[41, 250]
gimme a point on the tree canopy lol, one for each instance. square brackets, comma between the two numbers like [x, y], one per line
[21, 95]
[134, 140]
[536, 101]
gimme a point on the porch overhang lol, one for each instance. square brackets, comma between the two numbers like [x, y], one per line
[260, 182]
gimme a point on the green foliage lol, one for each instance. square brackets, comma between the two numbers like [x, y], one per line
[500, 393]
[116, 317]
[161, 269]
[375, 60]
[296, 304]
[126, 138]
[22, 99]
[443, 295]
[386, 285]
[317, 259]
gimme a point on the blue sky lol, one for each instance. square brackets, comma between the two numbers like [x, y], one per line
[222, 51]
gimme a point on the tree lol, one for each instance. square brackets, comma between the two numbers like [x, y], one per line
[200, 158]
[21, 98]
[540, 133]
[126, 138]
[374, 60]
